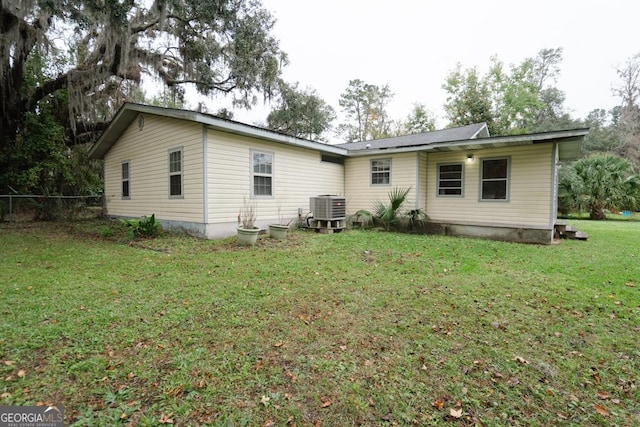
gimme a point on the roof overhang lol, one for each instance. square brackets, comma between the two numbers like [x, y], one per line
[129, 112]
[569, 141]
[569, 144]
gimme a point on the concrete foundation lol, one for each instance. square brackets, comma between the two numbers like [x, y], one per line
[509, 234]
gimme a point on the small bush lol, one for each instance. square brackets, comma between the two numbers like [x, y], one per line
[106, 232]
[143, 227]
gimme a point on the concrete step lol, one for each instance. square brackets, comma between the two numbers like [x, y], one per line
[581, 235]
[566, 231]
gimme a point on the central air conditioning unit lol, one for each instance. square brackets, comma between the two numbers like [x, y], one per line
[328, 208]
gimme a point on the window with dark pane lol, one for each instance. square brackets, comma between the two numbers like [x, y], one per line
[494, 179]
[450, 180]
[175, 173]
[125, 180]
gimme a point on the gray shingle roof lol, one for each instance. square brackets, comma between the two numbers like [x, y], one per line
[454, 134]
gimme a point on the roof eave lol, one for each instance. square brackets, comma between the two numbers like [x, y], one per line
[570, 137]
[128, 112]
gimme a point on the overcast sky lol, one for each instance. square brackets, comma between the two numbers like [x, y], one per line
[412, 45]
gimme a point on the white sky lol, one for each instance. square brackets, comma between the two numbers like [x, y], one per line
[412, 45]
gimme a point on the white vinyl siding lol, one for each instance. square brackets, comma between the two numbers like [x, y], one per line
[361, 195]
[529, 188]
[147, 151]
[230, 178]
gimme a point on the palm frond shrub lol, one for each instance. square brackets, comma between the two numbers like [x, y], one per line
[598, 183]
[389, 213]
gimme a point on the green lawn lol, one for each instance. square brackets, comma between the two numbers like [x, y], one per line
[357, 328]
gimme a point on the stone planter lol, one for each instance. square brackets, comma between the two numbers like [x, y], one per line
[247, 236]
[278, 231]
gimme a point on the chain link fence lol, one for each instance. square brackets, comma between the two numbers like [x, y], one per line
[36, 207]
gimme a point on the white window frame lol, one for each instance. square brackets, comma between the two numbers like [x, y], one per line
[173, 172]
[270, 174]
[482, 180]
[440, 180]
[378, 171]
[125, 179]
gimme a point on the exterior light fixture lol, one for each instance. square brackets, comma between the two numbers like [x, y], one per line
[469, 158]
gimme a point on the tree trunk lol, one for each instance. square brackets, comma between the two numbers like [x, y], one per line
[597, 213]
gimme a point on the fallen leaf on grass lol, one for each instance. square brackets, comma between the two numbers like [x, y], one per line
[22, 373]
[438, 404]
[603, 395]
[265, 400]
[520, 360]
[9, 362]
[455, 412]
[325, 402]
[5, 394]
[166, 419]
[601, 410]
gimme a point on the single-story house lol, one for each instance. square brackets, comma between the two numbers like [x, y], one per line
[194, 171]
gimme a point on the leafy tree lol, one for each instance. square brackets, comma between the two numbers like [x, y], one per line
[629, 120]
[224, 113]
[469, 99]
[599, 182]
[40, 159]
[515, 100]
[511, 100]
[220, 46]
[418, 121]
[301, 113]
[603, 133]
[365, 105]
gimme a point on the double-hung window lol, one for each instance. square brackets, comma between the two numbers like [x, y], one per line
[262, 171]
[175, 173]
[450, 179]
[381, 172]
[494, 179]
[125, 180]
